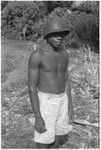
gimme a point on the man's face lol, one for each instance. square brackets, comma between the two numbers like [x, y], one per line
[56, 39]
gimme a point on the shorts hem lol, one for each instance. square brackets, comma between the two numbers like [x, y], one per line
[64, 131]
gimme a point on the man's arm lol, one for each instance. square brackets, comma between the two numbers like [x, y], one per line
[33, 76]
[67, 82]
[68, 91]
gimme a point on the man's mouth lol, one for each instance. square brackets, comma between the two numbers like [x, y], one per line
[58, 42]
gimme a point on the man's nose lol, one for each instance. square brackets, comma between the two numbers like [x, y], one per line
[58, 38]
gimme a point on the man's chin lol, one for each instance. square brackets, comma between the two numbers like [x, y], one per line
[58, 45]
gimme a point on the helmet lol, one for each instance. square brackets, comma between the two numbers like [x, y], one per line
[55, 25]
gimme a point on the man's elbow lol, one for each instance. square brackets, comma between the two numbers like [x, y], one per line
[32, 89]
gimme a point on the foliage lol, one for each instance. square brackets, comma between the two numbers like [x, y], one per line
[3, 4]
[87, 6]
[86, 27]
[84, 77]
[51, 5]
[16, 14]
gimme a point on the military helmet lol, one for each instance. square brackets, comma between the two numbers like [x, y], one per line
[54, 26]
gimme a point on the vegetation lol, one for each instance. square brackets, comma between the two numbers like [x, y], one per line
[17, 14]
[88, 6]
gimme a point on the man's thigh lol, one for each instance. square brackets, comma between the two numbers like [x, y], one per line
[62, 125]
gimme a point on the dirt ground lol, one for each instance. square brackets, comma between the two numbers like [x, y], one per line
[16, 109]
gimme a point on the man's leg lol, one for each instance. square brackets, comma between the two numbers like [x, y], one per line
[60, 140]
[56, 143]
[42, 146]
[62, 126]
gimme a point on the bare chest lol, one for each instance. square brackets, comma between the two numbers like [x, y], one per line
[54, 63]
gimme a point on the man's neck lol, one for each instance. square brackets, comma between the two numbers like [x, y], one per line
[58, 50]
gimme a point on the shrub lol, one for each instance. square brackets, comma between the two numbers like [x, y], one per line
[87, 22]
[87, 6]
[85, 26]
[3, 4]
[51, 5]
[17, 14]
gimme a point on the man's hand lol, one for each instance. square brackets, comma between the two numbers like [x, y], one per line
[40, 125]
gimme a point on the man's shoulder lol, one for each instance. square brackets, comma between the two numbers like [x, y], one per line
[41, 50]
[35, 55]
[38, 54]
[35, 58]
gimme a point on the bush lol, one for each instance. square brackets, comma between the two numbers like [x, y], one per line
[87, 6]
[3, 4]
[87, 20]
[51, 5]
[17, 14]
[86, 27]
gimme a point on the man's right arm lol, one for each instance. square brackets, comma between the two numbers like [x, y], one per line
[33, 76]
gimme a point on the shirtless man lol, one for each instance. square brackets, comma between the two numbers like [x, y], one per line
[51, 102]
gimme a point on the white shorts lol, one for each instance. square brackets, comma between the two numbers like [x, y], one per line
[54, 111]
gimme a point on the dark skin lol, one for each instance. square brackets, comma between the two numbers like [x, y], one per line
[46, 71]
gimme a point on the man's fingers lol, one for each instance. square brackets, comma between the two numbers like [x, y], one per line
[44, 130]
[41, 130]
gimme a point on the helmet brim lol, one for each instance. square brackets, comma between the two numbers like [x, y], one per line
[61, 33]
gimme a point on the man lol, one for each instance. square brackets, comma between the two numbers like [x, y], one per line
[51, 105]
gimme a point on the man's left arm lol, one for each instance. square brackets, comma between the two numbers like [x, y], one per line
[68, 91]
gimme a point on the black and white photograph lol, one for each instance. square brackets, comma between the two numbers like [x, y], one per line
[50, 74]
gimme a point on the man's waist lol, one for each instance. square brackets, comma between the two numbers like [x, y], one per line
[60, 95]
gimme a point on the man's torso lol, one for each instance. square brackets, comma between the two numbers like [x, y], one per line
[52, 71]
